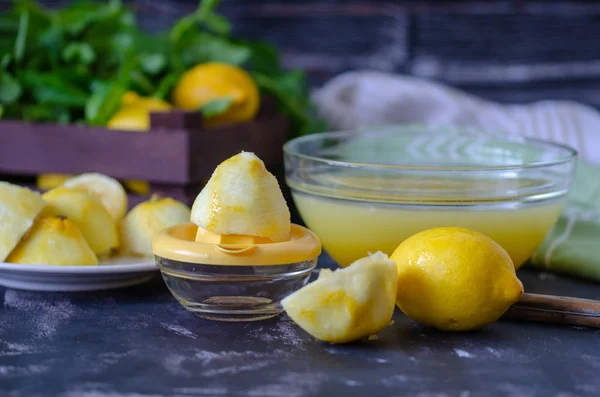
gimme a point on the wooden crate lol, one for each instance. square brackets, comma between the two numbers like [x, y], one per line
[177, 155]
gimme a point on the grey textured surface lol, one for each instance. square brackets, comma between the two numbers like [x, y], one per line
[139, 342]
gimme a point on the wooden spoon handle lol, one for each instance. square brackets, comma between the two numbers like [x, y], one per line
[556, 310]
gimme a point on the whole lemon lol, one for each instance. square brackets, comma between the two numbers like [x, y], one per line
[212, 81]
[454, 279]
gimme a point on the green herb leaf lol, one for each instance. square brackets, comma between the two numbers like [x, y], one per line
[210, 19]
[217, 24]
[205, 47]
[49, 88]
[206, 8]
[166, 85]
[5, 61]
[141, 83]
[21, 39]
[264, 57]
[181, 28]
[104, 102]
[153, 63]
[293, 100]
[79, 52]
[107, 96]
[10, 89]
[9, 25]
[79, 15]
[1, 111]
[46, 113]
[52, 41]
[216, 107]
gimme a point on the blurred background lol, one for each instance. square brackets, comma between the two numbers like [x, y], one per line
[509, 51]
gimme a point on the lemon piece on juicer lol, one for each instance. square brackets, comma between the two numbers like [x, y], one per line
[243, 198]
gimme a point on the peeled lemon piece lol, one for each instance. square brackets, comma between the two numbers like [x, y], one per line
[455, 279]
[19, 207]
[242, 197]
[54, 241]
[90, 216]
[324, 273]
[104, 189]
[148, 218]
[347, 304]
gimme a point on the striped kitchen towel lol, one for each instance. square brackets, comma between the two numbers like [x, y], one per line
[364, 98]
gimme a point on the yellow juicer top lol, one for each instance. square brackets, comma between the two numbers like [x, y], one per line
[192, 244]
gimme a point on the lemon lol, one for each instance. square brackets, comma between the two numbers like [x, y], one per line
[104, 189]
[148, 218]
[454, 279]
[19, 207]
[46, 182]
[89, 214]
[211, 81]
[53, 241]
[348, 304]
[243, 197]
[141, 188]
[134, 114]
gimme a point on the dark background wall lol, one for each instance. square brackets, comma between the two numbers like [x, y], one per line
[511, 51]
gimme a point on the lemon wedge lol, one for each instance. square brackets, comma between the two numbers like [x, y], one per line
[243, 198]
[104, 189]
[90, 216]
[53, 241]
[148, 218]
[19, 207]
[348, 304]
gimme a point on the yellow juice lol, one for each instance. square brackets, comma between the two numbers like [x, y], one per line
[351, 228]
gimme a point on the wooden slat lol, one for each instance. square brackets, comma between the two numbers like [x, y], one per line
[30, 149]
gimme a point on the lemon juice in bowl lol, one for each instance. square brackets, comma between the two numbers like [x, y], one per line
[364, 192]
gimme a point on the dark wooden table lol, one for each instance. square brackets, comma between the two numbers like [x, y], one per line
[139, 342]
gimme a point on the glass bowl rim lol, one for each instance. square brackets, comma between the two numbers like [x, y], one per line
[290, 148]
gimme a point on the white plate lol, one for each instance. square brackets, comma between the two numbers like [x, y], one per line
[115, 273]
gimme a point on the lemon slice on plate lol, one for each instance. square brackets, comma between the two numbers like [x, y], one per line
[90, 216]
[19, 207]
[148, 218]
[104, 189]
[53, 241]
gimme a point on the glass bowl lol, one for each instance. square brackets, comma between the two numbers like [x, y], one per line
[368, 190]
[234, 282]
